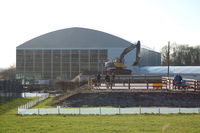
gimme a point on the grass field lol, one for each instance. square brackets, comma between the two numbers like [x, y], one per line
[12, 123]
[44, 103]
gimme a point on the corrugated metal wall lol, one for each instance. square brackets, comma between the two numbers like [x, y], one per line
[150, 58]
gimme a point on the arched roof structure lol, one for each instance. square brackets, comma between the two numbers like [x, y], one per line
[75, 38]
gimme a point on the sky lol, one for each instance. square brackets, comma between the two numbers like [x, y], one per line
[153, 22]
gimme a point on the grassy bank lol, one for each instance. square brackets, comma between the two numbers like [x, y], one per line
[11, 106]
[44, 103]
[12, 123]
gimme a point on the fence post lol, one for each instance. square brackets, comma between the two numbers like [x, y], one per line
[140, 110]
[58, 107]
[199, 110]
[129, 85]
[179, 110]
[147, 85]
[100, 110]
[38, 111]
[119, 110]
[79, 110]
[159, 110]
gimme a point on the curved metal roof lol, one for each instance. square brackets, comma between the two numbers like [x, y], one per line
[75, 38]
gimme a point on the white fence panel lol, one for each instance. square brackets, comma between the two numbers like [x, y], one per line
[106, 111]
[24, 110]
[48, 111]
[189, 110]
[69, 111]
[149, 110]
[109, 111]
[89, 110]
[28, 111]
[130, 111]
[170, 110]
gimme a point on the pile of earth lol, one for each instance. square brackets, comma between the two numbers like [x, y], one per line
[133, 99]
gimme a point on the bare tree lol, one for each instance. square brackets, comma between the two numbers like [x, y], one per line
[181, 55]
[8, 73]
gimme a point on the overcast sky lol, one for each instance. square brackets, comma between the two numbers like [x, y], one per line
[154, 22]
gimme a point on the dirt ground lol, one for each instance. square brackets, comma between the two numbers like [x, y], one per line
[133, 99]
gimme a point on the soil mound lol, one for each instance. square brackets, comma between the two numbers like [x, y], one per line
[133, 99]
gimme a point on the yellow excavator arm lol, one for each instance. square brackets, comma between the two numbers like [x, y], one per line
[128, 49]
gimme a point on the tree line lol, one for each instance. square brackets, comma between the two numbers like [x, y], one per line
[180, 55]
[8, 73]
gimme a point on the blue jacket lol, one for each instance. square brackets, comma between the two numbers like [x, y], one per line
[177, 78]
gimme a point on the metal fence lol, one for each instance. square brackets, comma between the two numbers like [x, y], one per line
[143, 82]
[105, 111]
[32, 103]
[9, 90]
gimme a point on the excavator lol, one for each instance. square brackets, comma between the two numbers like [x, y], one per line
[117, 66]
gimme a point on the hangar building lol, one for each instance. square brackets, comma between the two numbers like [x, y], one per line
[66, 53]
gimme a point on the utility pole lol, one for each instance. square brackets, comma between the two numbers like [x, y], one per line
[168, 58]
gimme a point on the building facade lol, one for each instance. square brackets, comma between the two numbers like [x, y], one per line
[58, 63]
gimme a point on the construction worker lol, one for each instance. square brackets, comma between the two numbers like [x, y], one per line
[98, 79]
[107, 80]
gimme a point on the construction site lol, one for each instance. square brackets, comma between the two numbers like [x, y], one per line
[95, 66]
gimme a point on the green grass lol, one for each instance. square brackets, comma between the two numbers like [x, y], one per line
[44, 103]
[12, 123]
[5, 108]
